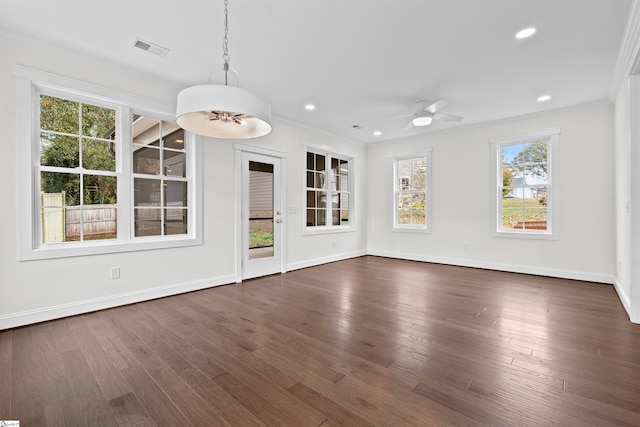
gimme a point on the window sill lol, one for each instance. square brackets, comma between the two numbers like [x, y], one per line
[69, 250]
[417, 230]
[525, 234]
[329, 230]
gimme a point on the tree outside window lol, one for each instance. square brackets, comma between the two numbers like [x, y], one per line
[524, 195]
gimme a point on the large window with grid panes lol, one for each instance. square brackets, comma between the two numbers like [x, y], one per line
[329, 191]
[108, 175]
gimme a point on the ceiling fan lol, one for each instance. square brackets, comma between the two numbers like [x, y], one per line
[427, 112]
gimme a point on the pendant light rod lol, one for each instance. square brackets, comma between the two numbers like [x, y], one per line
[225, 42]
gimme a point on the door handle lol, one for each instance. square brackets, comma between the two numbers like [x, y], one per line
[278, 221]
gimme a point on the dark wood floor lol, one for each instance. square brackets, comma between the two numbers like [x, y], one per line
[367, 341]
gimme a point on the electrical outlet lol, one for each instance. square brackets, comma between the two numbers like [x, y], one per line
[115, 272]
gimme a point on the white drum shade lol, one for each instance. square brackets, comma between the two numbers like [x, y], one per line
[198, 105]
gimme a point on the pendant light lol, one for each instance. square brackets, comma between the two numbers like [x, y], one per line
[226, 112]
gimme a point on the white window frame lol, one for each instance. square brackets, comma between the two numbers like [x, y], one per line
[329, 227]
[552, 231]
[413, 228]
[30, 84]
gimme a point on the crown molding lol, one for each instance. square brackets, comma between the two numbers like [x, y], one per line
[628, 61]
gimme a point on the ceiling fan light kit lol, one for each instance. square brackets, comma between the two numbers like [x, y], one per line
[427, 112]
[222, 111]
[422, 121]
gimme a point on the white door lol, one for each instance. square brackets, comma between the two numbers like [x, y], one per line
[261, 215]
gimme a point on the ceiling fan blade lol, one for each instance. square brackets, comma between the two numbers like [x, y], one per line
[401, 115]
[447, 117]
[435, 106]
[408, 126]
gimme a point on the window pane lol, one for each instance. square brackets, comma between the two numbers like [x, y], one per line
[174, 163]
[148, 222]
[322, 217]
[98, 122]
[512, 210]
[419, 174]
[176, 221]
[320, 160]
[98, 155]
[99, 190]
[146, 192]
[418, 208]
[311, 199]
[310, 181]
[335, 200]
[66, 185]
[59, 150]
[59, 115]
[146, 160]
[343, 183]
[311, 161]
[335, 217]
[344, 217]
[311, 217]
[319, 180]
[53, 224]
[321, 199]
[98, 222]
[174, 139]
[175, 193]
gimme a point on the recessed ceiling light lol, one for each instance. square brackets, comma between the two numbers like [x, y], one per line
[527, 32]
[377, 133]
[309, 107]
[544, 98]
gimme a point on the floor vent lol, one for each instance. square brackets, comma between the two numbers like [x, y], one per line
[150, 47]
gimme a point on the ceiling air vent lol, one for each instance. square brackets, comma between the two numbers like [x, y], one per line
[150, 47]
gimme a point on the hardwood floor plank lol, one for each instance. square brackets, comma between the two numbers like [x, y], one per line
[335, 413]
[5, 374]
[232, 411]
[106, 373]
[87, 406]
[156, 403]
[129, 411]
[365, 341]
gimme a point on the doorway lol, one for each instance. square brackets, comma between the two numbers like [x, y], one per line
[261, 214]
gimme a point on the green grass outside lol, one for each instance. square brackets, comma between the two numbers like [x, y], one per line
[516, 210]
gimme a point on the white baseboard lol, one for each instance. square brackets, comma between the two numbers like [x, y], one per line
[324, 260]
[624, 298]
[64, 310]
[511, 268]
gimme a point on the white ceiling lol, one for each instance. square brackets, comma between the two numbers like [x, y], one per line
[356, 60]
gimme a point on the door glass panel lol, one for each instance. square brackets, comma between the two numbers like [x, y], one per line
[260, 210]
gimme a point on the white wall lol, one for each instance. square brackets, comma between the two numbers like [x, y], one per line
[461, 199]
[622, 152]
[32, 291]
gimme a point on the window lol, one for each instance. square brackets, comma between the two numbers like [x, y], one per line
[160, 180]
[524, 188]
[109, 174]
[329, 198]
[78, 177]
[412, 196]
